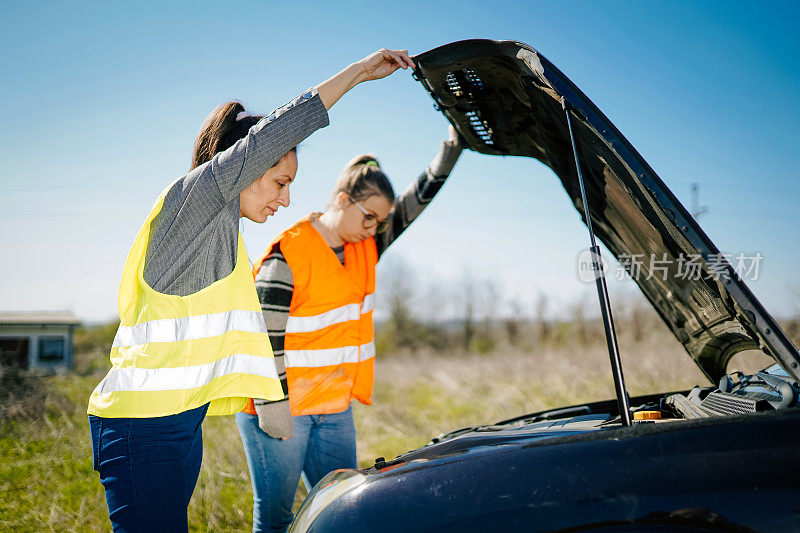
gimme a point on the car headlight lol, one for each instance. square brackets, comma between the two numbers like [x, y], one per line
[328, 489]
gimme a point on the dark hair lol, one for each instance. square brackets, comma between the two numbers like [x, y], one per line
[361, 178]
[221, 130]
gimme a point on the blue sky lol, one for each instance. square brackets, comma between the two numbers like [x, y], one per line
[101, 103]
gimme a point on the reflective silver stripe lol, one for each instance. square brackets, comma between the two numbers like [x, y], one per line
[190, 327]
[369, 303]
[345, 313]
[367, 351]
[328, 356]
[305, 324]
[186, 377]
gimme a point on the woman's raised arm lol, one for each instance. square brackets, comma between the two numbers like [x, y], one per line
[237, 167]
[408, 206]
[373, 67]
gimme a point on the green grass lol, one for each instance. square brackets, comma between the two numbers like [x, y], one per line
[46, 477]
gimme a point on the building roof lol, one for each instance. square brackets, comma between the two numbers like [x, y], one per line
[18, 318]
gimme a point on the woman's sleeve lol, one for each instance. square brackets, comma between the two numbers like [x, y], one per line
[275, 286]
[266, 142]
[418, 195]
[191, 245]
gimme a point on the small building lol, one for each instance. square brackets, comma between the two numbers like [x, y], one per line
[37, 339]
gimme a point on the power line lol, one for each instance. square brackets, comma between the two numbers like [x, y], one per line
[764, 214]
[739, 187]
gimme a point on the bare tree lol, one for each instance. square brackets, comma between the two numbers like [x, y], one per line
[436, 303]
[579, 321]
[397, 296]
[513, 322]
[540, 321]
[636, 317]
[468, 300]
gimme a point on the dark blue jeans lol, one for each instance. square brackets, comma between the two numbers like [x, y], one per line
[320, 444]
[148, 467]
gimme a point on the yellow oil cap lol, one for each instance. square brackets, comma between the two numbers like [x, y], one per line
[647, 415]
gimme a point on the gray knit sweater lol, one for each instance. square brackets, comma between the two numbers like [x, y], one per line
[193, 240]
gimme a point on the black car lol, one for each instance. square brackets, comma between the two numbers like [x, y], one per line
[725, 457]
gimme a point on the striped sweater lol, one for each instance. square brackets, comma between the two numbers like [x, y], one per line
[274, 282]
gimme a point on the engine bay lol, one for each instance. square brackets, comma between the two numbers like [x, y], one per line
[737, 393]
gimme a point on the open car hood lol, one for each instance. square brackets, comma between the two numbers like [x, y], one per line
[504, 98]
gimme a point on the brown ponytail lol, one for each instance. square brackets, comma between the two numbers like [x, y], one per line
[220, 131]
[362, 177]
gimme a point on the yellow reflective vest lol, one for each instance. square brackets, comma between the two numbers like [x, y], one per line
[175, 353]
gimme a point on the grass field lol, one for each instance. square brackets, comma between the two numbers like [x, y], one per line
[46, 477]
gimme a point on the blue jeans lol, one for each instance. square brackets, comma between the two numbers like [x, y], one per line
[320, 444]
[148, 467]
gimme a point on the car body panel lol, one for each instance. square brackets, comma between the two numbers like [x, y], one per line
[695, 473]
[577, 468]
[504, 98]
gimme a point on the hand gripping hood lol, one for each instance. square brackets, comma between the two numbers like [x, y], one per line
[504, 98]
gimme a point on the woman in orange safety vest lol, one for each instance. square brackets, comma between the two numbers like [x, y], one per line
[316, 284]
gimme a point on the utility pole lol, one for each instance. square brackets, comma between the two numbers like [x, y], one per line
[697, 209]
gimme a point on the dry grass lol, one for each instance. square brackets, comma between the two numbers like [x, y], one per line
[48, 484]
[418, 396]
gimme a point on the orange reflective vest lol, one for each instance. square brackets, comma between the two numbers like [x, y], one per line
[329, 343]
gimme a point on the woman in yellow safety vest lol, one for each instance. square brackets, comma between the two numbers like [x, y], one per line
[192, 341]
[316, 284]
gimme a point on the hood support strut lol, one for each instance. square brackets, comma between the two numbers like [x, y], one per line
[602, 289]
